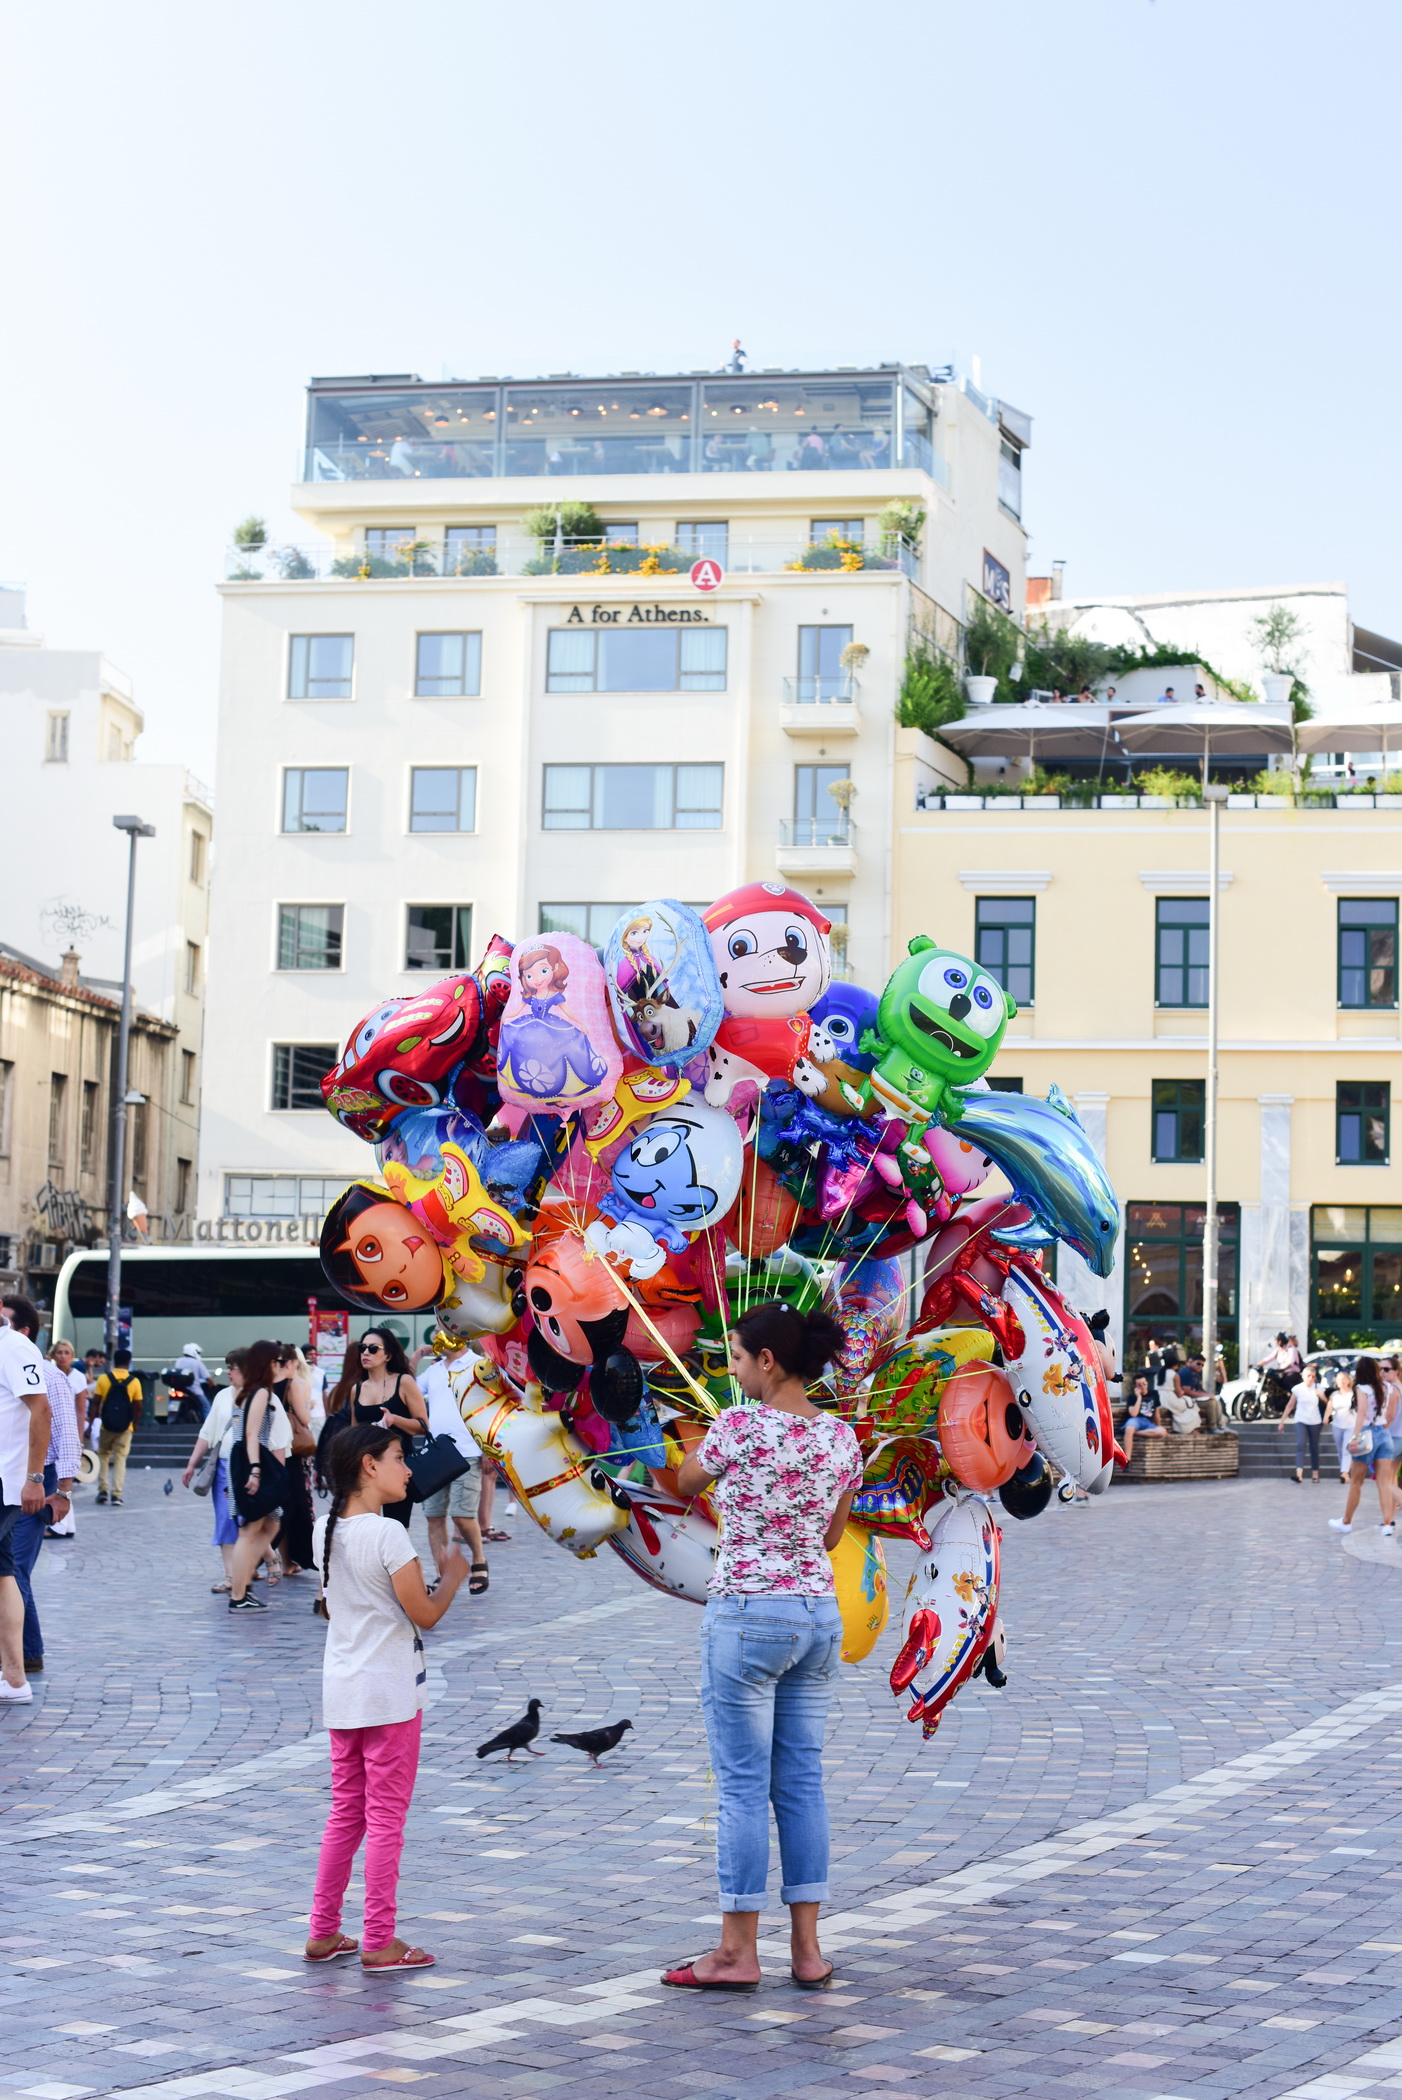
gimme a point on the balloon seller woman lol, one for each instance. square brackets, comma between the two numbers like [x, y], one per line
[372, 1688]
[784, 1474]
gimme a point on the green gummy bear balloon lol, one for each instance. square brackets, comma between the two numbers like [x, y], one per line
[940, 1021]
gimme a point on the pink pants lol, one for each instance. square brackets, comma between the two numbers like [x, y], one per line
[372, 1784]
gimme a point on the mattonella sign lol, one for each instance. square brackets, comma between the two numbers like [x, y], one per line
[252, 1232]
[638, 616]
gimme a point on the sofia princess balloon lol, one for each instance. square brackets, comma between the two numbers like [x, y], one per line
[662, 982]
[557, 1047]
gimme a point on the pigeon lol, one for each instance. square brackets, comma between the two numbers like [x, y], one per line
[595, 1740]
[519, 1736]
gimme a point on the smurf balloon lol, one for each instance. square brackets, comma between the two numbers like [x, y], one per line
[662, 982]
[771, 950]
[678, 1173]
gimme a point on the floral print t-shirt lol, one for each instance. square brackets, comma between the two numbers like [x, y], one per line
[779, 1479]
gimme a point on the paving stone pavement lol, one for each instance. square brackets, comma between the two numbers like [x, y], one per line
[1205, 1700]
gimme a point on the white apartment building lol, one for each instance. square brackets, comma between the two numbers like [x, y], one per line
[71, 732]
[450, 717]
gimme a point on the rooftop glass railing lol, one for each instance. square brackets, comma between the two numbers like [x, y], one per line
[789, 423]
[532, 557]
[836, 830]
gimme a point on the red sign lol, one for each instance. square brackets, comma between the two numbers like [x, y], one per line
[707, 575]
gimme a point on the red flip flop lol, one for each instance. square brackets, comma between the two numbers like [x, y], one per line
[342, 1947]
[685, 1978]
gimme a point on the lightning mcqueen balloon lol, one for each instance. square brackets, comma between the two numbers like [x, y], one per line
[404, 1054]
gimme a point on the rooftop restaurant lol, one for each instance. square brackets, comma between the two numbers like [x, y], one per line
[397, 427]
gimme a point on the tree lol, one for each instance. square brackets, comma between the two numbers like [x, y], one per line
[931, 692]
[1279, 634]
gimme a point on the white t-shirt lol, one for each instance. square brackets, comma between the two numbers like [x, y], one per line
[1307, 1399]
[443, 1416]
[374, 1669]
[21, 1379]
[218, 1425]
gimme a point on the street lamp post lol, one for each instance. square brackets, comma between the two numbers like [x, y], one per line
[1214, 796]
[116, 1209]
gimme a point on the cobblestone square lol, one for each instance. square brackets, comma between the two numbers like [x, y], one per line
[1205, 1701]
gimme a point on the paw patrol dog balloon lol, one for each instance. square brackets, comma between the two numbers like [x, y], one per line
[771, 950]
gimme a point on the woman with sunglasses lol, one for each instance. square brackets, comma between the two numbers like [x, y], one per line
[386, 1396]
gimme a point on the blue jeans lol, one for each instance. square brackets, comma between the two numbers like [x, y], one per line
[25, 1541]
[767, 1670]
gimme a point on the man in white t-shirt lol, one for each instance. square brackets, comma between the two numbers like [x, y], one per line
[461, 1498]
[26, 1425]
[66, 1358]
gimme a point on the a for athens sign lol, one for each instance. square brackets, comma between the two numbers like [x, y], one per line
[638, 616]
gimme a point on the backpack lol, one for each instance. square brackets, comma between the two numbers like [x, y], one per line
[117, 1412]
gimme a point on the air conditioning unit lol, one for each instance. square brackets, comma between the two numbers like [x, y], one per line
[48, 1256]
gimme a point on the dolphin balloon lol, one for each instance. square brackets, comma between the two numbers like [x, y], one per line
[1054, 1171]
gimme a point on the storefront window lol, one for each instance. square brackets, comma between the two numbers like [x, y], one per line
[1355, 1274]
[1163, 1273]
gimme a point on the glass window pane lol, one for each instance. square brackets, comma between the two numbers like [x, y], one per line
[700, 790]
[309, 936]
[705, 541]
[429, 937]
[321, 666]
[1339, 1283]
[437, 797]
[1385, 1226]
[766, 424]
[643, 660]
[565, 918]
[1003, 942]
[1342, 1221]
[567, 798]
[1387, 1290]
[569, 663]
[314, 798]
[441, 662]
[703, 659]
[421, 433]
[598, 429]
[297, 1073]
[632, 798]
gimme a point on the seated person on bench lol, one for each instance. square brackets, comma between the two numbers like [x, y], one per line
[1143, 1418]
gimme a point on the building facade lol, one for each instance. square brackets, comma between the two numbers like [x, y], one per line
[1095, 917]
[72, 729]
[563, 646]
[58, 1039]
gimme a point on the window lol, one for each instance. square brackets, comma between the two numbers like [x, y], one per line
[87, 1142]
[1362, 1118]
[192, 969]
[198, 842]
[297, 1073]
[820, 672]
[443, 798]
[182, 1184]
[1002, 1084]
[319, 667]
[819, 818]
[314, 798]
[447, 666]
[470, 550]
[56, 738]
[187, 1076]
[438, 937]
[58, 1088]
[591, 922]
[633, 798]
[389, 542]
[620, 535]
[1355, 1271]
[1179, 1106]
[309, 936]
[1010, 477]
[705, 541]
[1005, 939]
[138, 1113]
[1368, 951]
[1163, 1273]
[821, 529]
[1180, 951]
[280, 1195]
[636, 660]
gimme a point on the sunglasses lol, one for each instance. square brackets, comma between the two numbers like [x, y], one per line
[371, 1349]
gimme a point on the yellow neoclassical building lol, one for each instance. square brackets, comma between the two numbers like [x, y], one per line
[1095, 917]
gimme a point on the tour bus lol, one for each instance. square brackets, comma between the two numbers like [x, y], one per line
[219, 1296]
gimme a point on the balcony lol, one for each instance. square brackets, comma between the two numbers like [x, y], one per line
[817, 846]
[508, 556]
[818, 706]
[1091, 798]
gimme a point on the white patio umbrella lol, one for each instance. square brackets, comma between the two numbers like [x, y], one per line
[1033, 730]
[1369, 729]
[1224, 728]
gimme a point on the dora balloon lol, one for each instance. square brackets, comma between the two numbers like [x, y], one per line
[404, 1245]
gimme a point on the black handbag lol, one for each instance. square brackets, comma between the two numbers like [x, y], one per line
[272, 1479]
[434, 1462]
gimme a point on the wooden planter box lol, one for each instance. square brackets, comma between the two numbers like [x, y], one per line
[1197, 1457]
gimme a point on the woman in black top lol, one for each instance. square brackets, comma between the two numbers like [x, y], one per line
[387, 1395]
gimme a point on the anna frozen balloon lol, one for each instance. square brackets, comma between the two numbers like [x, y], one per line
[557, 1046]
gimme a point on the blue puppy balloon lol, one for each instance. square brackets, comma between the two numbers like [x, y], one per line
[847, 1012]
[663, 987]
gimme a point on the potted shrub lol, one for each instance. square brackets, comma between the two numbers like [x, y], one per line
[991, 647]
[930, 694]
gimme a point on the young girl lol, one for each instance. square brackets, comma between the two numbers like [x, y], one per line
[372, 1689]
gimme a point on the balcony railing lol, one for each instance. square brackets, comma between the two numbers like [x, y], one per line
[1093, 798]
[817, 831]
[816, 690]
[533, 557]
[757, 451]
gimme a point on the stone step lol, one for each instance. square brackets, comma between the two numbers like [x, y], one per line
[162, 1443]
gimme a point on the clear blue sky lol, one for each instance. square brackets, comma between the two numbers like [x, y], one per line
[1166, 226]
